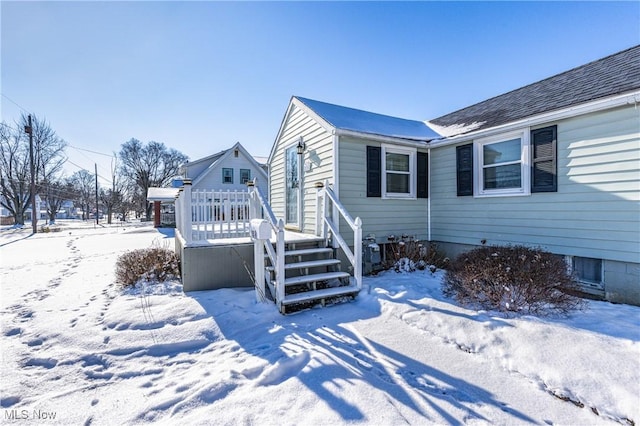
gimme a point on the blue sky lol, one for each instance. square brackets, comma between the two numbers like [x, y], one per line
[199, 76]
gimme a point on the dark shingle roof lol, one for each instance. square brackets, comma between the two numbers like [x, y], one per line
[360, 121]
[609, 76]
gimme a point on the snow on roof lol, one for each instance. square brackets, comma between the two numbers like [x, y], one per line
[455, 129]
[162, 194]
[371, 123]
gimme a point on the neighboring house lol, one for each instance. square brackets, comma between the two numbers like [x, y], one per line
[6, 218]
[555, 164]
[228, 170]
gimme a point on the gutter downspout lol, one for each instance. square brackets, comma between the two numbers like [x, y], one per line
[429, 195]
[336, 180]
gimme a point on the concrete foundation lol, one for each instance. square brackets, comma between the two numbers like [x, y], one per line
[216, 266]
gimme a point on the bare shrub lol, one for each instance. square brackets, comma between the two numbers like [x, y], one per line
[151, 264]
[514, 279]
[406, 254]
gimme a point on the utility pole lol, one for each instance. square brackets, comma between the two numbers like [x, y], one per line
[96, 169]
[34, 215]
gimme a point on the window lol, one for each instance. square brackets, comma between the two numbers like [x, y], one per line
[398, 172]
[245, 176]
[227, 175]
[501, 165]
[587, 269]
[405, 171]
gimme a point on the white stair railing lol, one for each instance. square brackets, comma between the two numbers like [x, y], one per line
[325, 222]
[259, 208]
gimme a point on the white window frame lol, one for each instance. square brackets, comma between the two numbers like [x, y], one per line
[411, 152]
[525, 165]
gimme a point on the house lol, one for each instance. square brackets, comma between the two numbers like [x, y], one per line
[555, 164]
[346, 147]
[228, 170]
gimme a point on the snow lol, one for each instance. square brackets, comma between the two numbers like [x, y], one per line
[455, 129]
[76, 349]
[370, 123]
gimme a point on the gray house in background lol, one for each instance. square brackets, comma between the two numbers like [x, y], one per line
[555, 164]
[228, 170]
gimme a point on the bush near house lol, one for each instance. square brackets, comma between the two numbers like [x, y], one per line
[406, 254]
[151, 264]
[514, 279]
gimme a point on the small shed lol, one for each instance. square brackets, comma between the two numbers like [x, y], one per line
[163, 206]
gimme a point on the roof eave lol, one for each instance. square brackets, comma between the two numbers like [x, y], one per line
[419, 143]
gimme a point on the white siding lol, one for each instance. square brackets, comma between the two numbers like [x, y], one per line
[595, 213]
[382, 217]
[195, 169]
[212, 178]
[318, 154]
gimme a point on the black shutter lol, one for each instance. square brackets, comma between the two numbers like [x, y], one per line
[423, 175]
[374, 171]
[464, 169]
[544, 174]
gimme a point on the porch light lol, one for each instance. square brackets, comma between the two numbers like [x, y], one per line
[300, 146]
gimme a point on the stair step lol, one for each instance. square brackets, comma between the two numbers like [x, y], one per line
[315, 277]
[312, 263]
[308, 264]
[320, 294]
[302, 252]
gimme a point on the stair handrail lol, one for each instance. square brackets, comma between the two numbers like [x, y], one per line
[260, 208]
[355, 256]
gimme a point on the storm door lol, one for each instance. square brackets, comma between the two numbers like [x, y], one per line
[293, 188]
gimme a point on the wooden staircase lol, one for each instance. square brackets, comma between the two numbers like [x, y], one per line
[313, 276]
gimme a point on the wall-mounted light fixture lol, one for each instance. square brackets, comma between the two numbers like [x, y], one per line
[301, 146]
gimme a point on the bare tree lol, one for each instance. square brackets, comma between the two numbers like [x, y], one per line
[48, 150]
[111, 198]
[14, 173]
[15, 170]
[84, 186]
[151, 165]
[55, 194]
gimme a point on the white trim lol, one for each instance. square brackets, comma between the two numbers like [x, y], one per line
[394, 149]
[630, 98]
[384, 139]
[524, 161]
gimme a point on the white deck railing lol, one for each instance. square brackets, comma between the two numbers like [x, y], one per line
[203, 215]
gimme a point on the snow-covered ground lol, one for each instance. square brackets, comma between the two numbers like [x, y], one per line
[76, 349]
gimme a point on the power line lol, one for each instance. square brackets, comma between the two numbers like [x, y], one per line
[88, 150]
[84, 168]
[15, 103]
